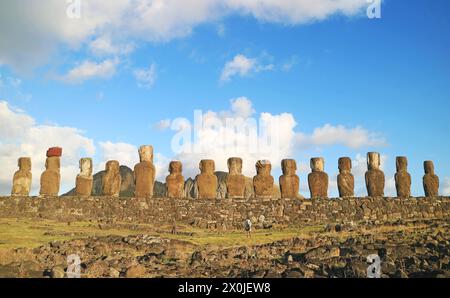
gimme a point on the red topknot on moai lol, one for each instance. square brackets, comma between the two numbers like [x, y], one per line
[54, 152]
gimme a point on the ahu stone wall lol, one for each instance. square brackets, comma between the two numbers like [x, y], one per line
[224, 213]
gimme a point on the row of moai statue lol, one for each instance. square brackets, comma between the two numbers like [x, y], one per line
[207, 181]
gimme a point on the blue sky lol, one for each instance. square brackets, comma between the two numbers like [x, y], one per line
[386, 80]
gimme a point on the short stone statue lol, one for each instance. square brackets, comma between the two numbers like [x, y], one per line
[375, 179]
[144, 173]
[430, 180]
[345, 179]
[235, 181]
[112, 180]
[263, 182]
[207, 182]
[175, 181]
[402, 178]
[22, 178]
[85, 180]
[318, 179]
[289, 181]
[51, 177]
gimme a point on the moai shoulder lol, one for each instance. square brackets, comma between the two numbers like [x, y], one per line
[112, 181]
[175, 181]
[402, 178]
[85, 180]
[235, 181]
[318, 179]
[144, 173]
[375, 179]
[51, 177]
[22, 178]
[207, 181]
[430, 180]
[345, 179]
[289, 181]
[263, 182]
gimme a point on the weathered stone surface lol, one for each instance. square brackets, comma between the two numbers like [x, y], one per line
[206, 181]
[345, 179]
[402, 178]
[22, 178]
[85, 180]
[144, 173]
[289, 181]
[111, 182]
[54, 151]
[375, 179]
[235, 181]
[430, 180]
[51, 177]
[263, 182]
[175, 181]
[318, 179]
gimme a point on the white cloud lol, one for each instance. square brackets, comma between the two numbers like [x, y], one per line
[446, 187]
[145, 78]
[243, 66]
[88, 70]
[126, 21]
[163, 124]
[21, 136]
[103, 46]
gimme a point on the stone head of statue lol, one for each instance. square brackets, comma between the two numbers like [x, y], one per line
[235, 165]
[263, 167]
[345, 164]
[317, 164]
[113, 166]
[207, 166]
[373, 161]
[401, 163]
[146, 153]
[175, 167]
[53, 163]
[428, 167]
[289, 166]
[24, 163]
[86, 167]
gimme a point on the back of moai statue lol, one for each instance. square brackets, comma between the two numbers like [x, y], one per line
[235, 181]
[318, 179]
[289, 181]
[112, 180]
[375, 179]
[263, 182]
[345, 179]
[207, 182]
[430, 180]
[402, 178]
[175, 181]
[22, 178]
[144, 173]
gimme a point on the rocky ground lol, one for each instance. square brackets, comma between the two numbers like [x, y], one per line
[407, 250]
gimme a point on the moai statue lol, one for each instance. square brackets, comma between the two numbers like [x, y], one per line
[22, 178]
[207, 181]
[345, 179]
[85, 180]
[375, 180]
[235, 180]
[289, 181]
[175, 181]
[112, 180]
[263, 182]
[51, 177]
[430, 180]
[144, 173]
[402, 178]
[318, 179]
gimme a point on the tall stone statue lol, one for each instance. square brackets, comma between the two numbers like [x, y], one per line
[318, 179]
[207, 181]
[289, 181]
[175, 181]
[51, 177]
[112, 181]
[263, 182]
[144, 173]
[345, 179]
[402, 178]
[430, 180]
[235, 180]
[22, 178]
[375, 179]
[85, 180]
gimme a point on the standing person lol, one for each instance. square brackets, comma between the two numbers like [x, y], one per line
[248, 228]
